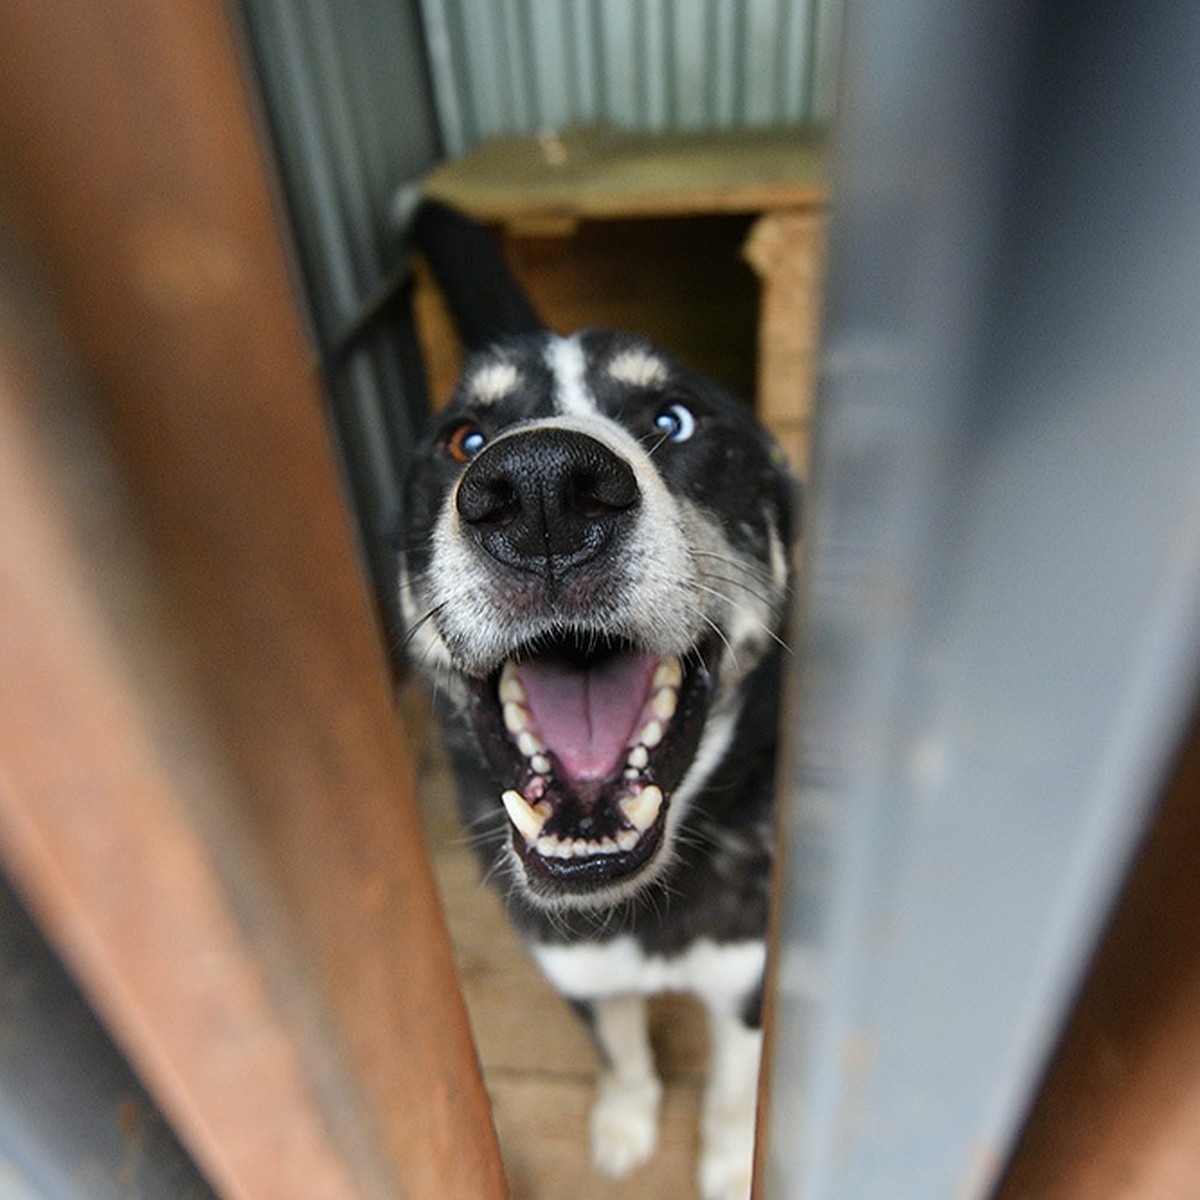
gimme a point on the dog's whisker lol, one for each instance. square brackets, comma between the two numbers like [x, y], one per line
[493, 831]
[763, 598]
[657, 445]
[724, 639]
[739, 564]
[749, 615]
[420, 624]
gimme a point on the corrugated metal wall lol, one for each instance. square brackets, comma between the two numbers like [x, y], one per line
[351, 112]
[526, 66]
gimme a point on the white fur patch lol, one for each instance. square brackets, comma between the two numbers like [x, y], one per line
[493, 381]
[730, 1108]
[714, 742]
[638, 368]
[720, 973]
[568, 363]
[624, 1123]
[779, 560]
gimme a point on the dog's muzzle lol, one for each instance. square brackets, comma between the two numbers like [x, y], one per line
[547, 501]
[593, 714]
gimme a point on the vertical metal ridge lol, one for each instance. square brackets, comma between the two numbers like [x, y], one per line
[525, 66]
[440, 50]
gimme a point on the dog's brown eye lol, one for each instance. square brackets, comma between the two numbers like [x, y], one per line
[465, 441]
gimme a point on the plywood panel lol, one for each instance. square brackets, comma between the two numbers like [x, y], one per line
[603, 173]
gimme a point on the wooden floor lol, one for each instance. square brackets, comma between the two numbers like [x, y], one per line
[538, 1059]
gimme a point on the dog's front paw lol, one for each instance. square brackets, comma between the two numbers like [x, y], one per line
[624, 1123]
[727, 1159]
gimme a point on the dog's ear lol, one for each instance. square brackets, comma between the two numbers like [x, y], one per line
[484, 299]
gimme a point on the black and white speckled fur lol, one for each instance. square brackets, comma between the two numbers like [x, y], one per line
[719, 511]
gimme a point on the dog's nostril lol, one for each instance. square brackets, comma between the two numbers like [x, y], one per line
[488, 500]
[595, 493]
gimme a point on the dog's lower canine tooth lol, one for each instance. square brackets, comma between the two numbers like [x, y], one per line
[528, 822]
[627, 839]
[641, 809]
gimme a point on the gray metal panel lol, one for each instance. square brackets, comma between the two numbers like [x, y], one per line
[526, 66]
[1002, 635]
[74, 1122]
[349, 100]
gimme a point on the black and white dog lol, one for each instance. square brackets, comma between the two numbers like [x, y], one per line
[595, 575]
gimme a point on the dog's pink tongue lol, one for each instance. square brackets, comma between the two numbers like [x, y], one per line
[587, 715]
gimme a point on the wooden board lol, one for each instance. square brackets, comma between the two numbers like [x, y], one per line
[546, 184]
[232, 867]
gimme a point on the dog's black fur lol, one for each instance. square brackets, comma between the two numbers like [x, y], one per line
[590, 502]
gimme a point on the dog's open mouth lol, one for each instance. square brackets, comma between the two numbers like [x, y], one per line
[592, 737]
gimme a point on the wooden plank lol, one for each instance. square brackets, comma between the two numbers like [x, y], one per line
[131, 154]
[787, 250]
[1118, 1117]
[94, 830]
[548, 1159]
[603, 173]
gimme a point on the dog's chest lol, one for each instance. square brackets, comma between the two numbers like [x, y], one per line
[719, 972]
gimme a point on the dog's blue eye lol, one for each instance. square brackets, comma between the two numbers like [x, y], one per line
[677, 422]
[466, 441]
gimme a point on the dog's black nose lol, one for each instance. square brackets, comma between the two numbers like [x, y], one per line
[547, 500]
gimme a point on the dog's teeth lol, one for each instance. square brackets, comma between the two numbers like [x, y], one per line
[641, 809]
[664, 702]
[669, 673]
[652, 733]
[528, 744]
[515, 717]
[639, 756]
[550, 846]
[528, 822]
[511, 689]
[540, 763]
